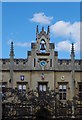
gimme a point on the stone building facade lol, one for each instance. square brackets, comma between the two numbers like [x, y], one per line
[43, 70]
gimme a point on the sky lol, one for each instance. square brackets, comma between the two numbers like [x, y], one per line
[41, 0]
[19, 21]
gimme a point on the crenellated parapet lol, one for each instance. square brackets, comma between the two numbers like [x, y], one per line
[25, 64]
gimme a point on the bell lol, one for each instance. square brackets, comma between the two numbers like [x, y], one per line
[42, 46]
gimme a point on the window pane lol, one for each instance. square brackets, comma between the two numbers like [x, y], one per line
[20, 87]
[24, 87]
[60, 87]
[64, 96]
[44, 87]
[64, 87]
[40, 87]
[3, 86]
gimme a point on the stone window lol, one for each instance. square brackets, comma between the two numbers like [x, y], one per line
[62, 91]
[22, 86]
[42, 86]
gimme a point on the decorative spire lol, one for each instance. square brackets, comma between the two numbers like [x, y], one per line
[72, 50]
[37, 29]
[11, 64]
[72, 72]
[42, 29]
[48, 30]
[12, 50]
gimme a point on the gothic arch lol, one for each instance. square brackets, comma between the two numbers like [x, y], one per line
[46, 45]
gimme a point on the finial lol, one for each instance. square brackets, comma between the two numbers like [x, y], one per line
[37, 29]
[48, 30]
[12, 49]
[72, 50]
[42, 28]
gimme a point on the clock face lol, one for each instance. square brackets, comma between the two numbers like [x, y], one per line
[42, 63]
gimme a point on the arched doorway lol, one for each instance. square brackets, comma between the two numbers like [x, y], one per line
[43, 114]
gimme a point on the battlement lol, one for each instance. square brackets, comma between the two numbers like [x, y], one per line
[25, 64]
[16, 61]
[68, 61]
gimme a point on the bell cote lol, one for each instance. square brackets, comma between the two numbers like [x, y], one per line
[43, 39]
[42, 53]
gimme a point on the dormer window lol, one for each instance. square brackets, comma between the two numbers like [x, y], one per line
[42, 45]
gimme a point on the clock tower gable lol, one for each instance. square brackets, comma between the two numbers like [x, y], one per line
[42, 53]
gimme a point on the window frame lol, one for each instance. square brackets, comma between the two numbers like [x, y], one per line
[22, 84]
[42, 84]
[62, 91]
